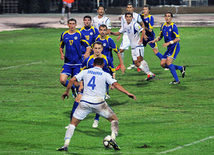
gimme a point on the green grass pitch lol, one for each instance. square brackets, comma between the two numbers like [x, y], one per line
[171, 119]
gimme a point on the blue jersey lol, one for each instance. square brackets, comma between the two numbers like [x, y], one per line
[108, 46]
[170, 33]
[149, 23]
[72, 43]
[108, 67]
[89, 34]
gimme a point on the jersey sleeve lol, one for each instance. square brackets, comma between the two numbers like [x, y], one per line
[108, 23]
[109, 79]
[137, 27]
[61, 41]
[80, 76]
[122, 30]
[111, 66]
[175, 31]
[161, 32]
[139, 19]
[84, 64]
[96, 32]
[113, 45]
[151, 23]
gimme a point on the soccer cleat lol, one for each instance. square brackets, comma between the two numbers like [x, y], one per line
[62, 149]
[107, 97]
[61, 21]
[74, 93]
[131, 66]
[118, 67]
[149, 77]
[175, 82]
[66, 127]
[183, 71]
[138, 70]
[115, 146]
[95, 124]
[166, 69]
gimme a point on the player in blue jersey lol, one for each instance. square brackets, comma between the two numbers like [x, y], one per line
[88, 63]
[89, 32]
[148, 21]
[169, 32]
[109, 45]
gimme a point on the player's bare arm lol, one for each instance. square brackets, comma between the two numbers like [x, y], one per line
[71, 82]
[61, 53]
[171, 42]
[120, 88]
[88, 52]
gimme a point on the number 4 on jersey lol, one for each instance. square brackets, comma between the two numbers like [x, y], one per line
[91, 83]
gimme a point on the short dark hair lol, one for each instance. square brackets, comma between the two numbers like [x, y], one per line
[72, 19]
[98, 43]
[87, 16]
[129, 3]
[147, 6]
[103, 25]
[98, 61]
[168, 12]
[128, 13]
[100, 7]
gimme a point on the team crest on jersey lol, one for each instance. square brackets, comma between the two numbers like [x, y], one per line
[170, 30]
[104, 44]
[91, 33]
[75, 38]
[87, 37]
[139, 27]
[147, 21]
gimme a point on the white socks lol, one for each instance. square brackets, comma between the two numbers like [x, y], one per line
[69, 133]
[114, 129]
[144, 67]
[63, 12]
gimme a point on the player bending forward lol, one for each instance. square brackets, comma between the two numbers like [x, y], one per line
[93, 100]
[133, 30]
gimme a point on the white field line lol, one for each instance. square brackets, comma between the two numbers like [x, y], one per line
[11, 67]
[180, 147]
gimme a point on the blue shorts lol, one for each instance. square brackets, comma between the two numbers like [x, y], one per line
[172, 51]
[153, 45]
[70, 70]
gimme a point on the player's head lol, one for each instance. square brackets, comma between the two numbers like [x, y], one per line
[128, 17]
[146, 9]
[98, 62]
[103, 30]
[129, 8]
[72, 23]
[97, 48]
[87, 21]
[168, 17]
[100, 10]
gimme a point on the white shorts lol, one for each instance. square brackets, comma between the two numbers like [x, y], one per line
[136, 52]
[125, 42]
[68, 4]
[84, 108]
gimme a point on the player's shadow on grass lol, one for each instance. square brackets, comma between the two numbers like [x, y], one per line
[28, 25]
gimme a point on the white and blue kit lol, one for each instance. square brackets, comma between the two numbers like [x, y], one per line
[99, 21]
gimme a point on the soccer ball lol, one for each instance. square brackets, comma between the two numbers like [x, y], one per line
[106, 142]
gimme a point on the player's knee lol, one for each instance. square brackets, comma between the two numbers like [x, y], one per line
[62, 81]
[163, 65]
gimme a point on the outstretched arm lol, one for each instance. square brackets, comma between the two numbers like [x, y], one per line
[120, 88]
[70, 84]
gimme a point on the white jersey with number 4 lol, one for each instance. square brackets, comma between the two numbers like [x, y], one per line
[99, 21]
[133, 30]
[94, 80]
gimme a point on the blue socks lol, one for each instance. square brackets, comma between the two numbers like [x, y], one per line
[173, 72]
[97, 117]
[159, 55]
[74, 108]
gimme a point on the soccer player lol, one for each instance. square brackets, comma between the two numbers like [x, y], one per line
[133, 30]
[89, 32]
[88, 63]
[102, 19]
[150, 35]
[72, 40]
[67, 3]
[109, 45]
[93, 100]
[171, 37]
[125, 40]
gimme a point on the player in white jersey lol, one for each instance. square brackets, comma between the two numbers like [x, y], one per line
[125, 40]
[93, 100]
[133, 30]
[101, 19]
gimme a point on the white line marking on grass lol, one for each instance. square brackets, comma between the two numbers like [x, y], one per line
[180, 147]
[33, 63]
